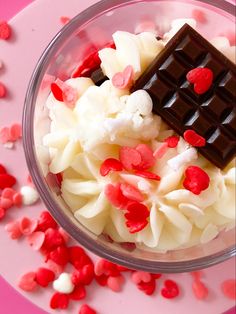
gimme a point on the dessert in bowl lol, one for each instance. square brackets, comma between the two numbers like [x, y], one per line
[123, 141]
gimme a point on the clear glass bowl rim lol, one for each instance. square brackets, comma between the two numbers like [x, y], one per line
[31, 159]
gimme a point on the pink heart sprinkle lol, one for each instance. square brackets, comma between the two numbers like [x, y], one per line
[27, 282]
[200, 290]
[8, 193]
[13, 228]
[5, 203]
[99, 268]
[123, 80]
[17, 199]
[5, 135]
[115, 283]
[28, 226]
[57, 269]
[140, 276]
[36, 240]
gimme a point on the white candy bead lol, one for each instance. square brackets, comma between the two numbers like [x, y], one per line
[63, 284]
[220, 42]
[29, 195]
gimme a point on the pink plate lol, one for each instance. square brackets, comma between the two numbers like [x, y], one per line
[33, 28]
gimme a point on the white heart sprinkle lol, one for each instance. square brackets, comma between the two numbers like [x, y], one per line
[63, 284]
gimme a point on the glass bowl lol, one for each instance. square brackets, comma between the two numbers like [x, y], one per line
[94, 28]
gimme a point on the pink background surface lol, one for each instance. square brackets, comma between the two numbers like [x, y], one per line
[15, 303]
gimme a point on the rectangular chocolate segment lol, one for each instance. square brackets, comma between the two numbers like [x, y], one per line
[212, 114]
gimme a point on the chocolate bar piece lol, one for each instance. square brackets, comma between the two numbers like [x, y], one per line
[98, 77]
[212, 114]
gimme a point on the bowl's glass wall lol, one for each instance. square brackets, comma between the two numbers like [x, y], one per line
[93, 29]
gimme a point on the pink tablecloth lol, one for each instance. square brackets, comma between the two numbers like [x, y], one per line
[11, 300]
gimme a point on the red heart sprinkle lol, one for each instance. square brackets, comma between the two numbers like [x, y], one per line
[5, 30]
[6, 180]
[172, 141]
[229, 288]
[3, 91]
[53, 239]
[57, 91]
[199, 16]
[83, 276]
[102, 280]
[110, 164]
[64, 20]
[44, 276]
[115, 283]
[5, 131]
[129, 157]
[46, 221]
[85, 309]
[147, 158]
[200, 290]
[147, 175]
[194, 138]
[5, 203]
[2, 213]
[147, 287]
[15, 132]
[131, 192]
[171, 289]
[115, 196]
[136, 217]
[196, 180]
[27, 282]
[202, 79]
[79, 293]
[17, 199]
[78, 258]
[2, 169]
[59, 255]
[59, 301]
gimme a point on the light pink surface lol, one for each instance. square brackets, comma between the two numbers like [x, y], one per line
[33, 29]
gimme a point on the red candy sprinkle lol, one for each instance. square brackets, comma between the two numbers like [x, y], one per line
[196, 180]
[78, 258]
[171, 289]
[202, 79]
[53, 239]
[83, 276]
[129, 157]
[85, 309]
[27, 226]
[115, 196]
[136, 217]
[228, 287]
[15, 132]
[3, 90]
[110, 164]
[46, 221]
[5, 30]
[79, 293]
[59, 255]
[199, 16]
[2, 169]
[59, 301]
[64, 20]
[57, 91]
[200, 290]
[6, 180]
[172, 141]
[147, 287]
[2, 213]
[17, 199]
[147, 158]
[147, 175]
[194, 139]
[44, 276]
[131, 192]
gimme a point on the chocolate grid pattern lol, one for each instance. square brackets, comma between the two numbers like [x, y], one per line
[213, 114]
